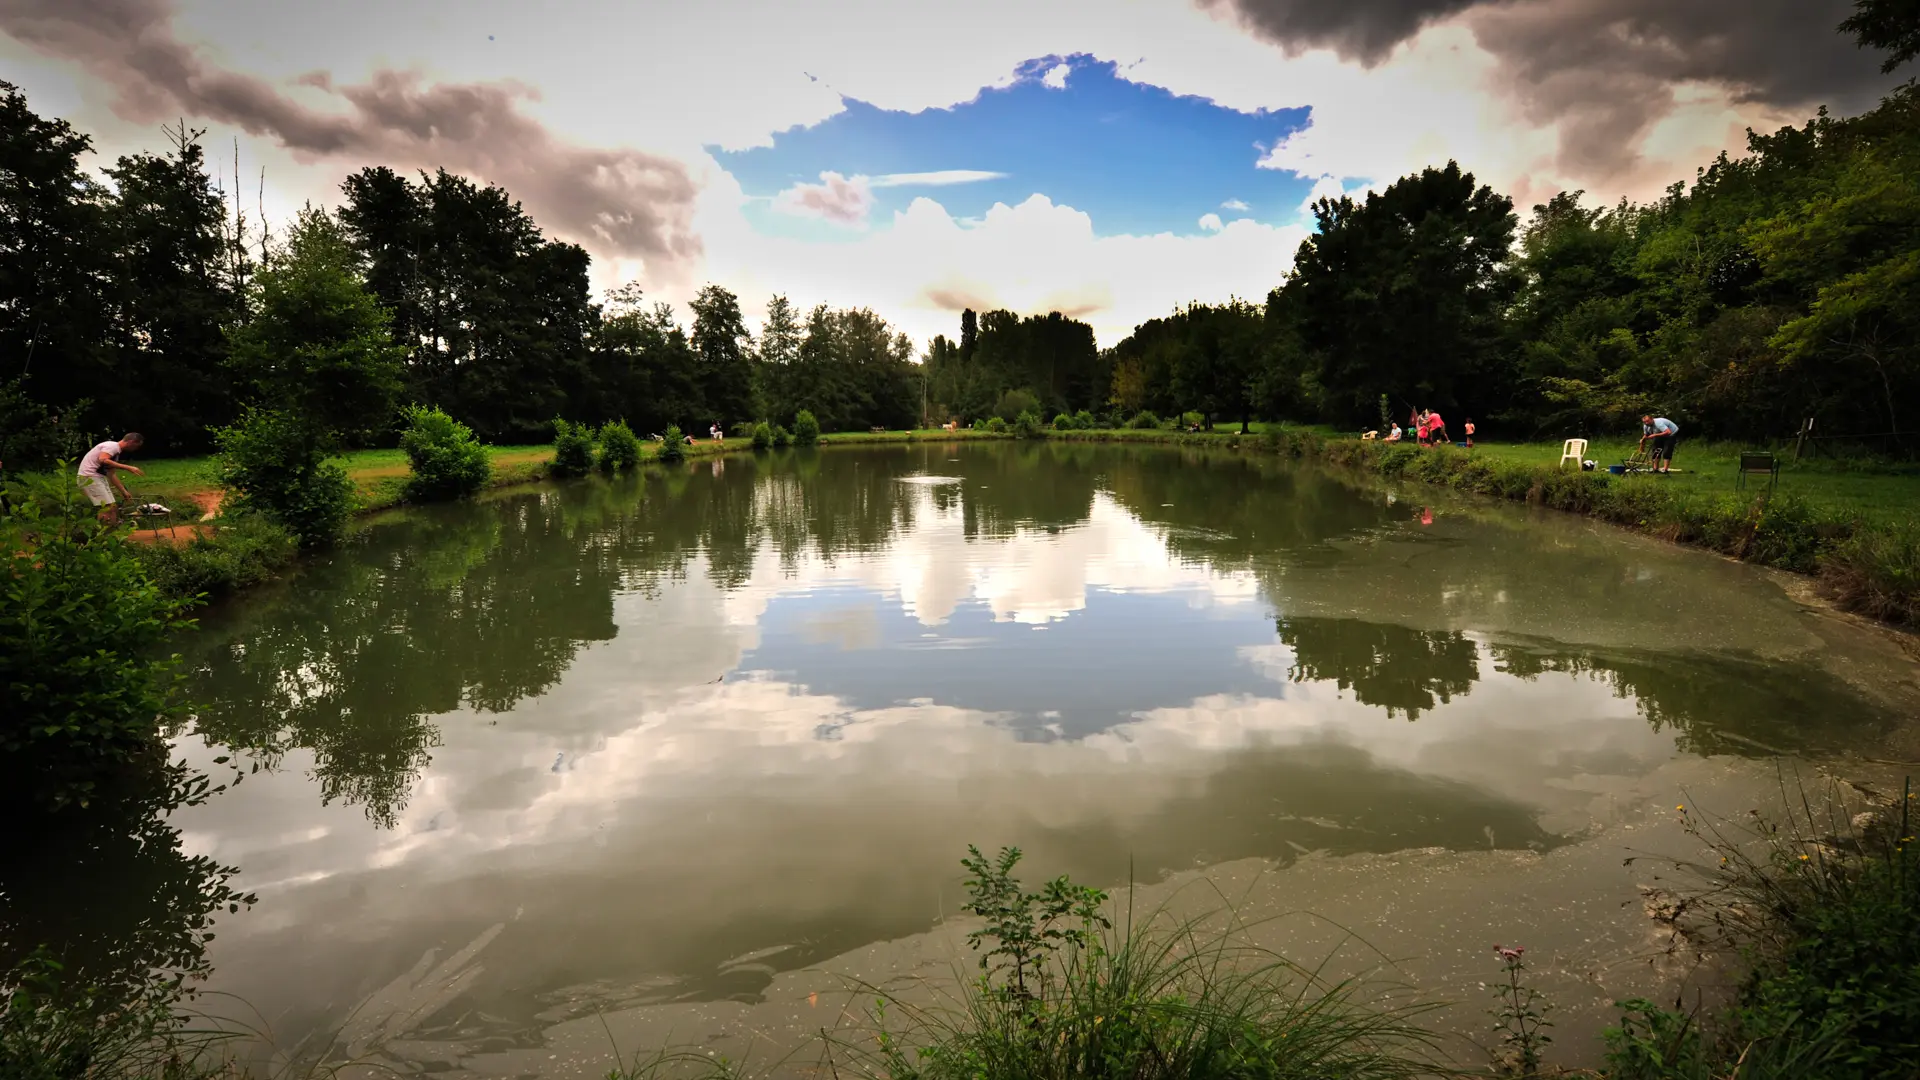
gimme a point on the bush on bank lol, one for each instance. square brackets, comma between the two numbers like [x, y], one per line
[619, 446]
[447, 461]
[572, 448]
[274, 464]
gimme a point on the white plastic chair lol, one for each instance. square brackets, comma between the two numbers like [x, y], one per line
[1575, 451]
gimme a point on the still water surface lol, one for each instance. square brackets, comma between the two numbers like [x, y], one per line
[671, 738]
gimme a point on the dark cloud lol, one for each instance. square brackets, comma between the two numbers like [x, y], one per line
[617, 202]
[1605, 70]
[1363, 30]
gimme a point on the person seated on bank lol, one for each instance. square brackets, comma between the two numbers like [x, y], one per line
[1395, 434]
[1658, 434]
[98, 473]
[1436, 429]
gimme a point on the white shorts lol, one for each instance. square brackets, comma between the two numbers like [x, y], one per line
[97, 489]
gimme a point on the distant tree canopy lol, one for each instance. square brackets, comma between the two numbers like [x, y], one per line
[1781, 284]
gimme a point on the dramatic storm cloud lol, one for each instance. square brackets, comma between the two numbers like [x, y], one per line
[1364, 30]
[1605, 71]
[615, 201]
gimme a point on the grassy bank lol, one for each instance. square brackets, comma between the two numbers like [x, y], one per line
[1856, 526]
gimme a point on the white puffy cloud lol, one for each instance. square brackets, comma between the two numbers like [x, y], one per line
[1211, 222]
[1056, 76]
[921, 267]
[1234, 204]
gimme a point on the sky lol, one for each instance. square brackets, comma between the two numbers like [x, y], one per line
[1110, 159]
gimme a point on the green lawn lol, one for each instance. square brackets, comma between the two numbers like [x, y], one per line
[1888, 492]
[377, 473]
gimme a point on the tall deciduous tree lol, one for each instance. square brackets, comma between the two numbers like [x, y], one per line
[175, 296]
[1406, 293]
[724, 349]
[318, 345]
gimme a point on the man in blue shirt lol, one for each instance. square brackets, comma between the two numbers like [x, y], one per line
[1662, 433]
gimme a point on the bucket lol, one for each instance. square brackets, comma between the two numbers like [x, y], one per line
[1617, 470]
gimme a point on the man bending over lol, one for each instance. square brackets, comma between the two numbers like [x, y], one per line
[98, 473]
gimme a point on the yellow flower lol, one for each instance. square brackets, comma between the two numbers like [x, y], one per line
[1679, 808]
[1804, 858]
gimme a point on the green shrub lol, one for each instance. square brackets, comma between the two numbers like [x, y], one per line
[1084, 421]
[782, 438]
[1192, 419]
[32, 437]
[273, 466]
[84, 684]
[448, 462]
[806, 429]
[1876, 571]
[996, 425]
[247, 550]
[1014, 402]
[619, 448]
[979, 424]
[1144, 420]
[1027, 425]
[1064, 422]
[673, 444]
[762, 436]
[572, 448]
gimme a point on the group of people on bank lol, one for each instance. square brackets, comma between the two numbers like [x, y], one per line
[1425, 425]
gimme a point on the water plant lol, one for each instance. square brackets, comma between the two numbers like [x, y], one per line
[1521, 1017]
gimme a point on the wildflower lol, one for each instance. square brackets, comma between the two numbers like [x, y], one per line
[1681, 808]
[1804, 858]
[1509, 953]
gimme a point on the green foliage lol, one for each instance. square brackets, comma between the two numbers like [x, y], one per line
[674, 446]
[1084, 420]
[1888, 25]
[83, 689]
[848, 367]
[271, 464]
[996, 425]
[1823, 904]
[447, 461]
[1144, 420]
[246, 550]
[762, 436]
[572, 448]
[619, 447]
[806, 429]
[318, 344]
[782, 438]
[51, 1030]
[1028, 426]
[1064, 422]
[1014, 402]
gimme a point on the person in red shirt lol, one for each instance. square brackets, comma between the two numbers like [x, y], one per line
[1436, 429]
[1469, 429]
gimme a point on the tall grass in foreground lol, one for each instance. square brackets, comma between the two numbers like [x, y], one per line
[1065, 992]
[1825, 908]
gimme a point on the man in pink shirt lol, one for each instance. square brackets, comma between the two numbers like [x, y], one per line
[98, 469]
[1436, 429]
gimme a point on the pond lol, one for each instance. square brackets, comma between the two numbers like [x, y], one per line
[677, 747]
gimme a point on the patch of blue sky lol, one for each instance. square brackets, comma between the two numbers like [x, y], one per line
[1138, 159]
